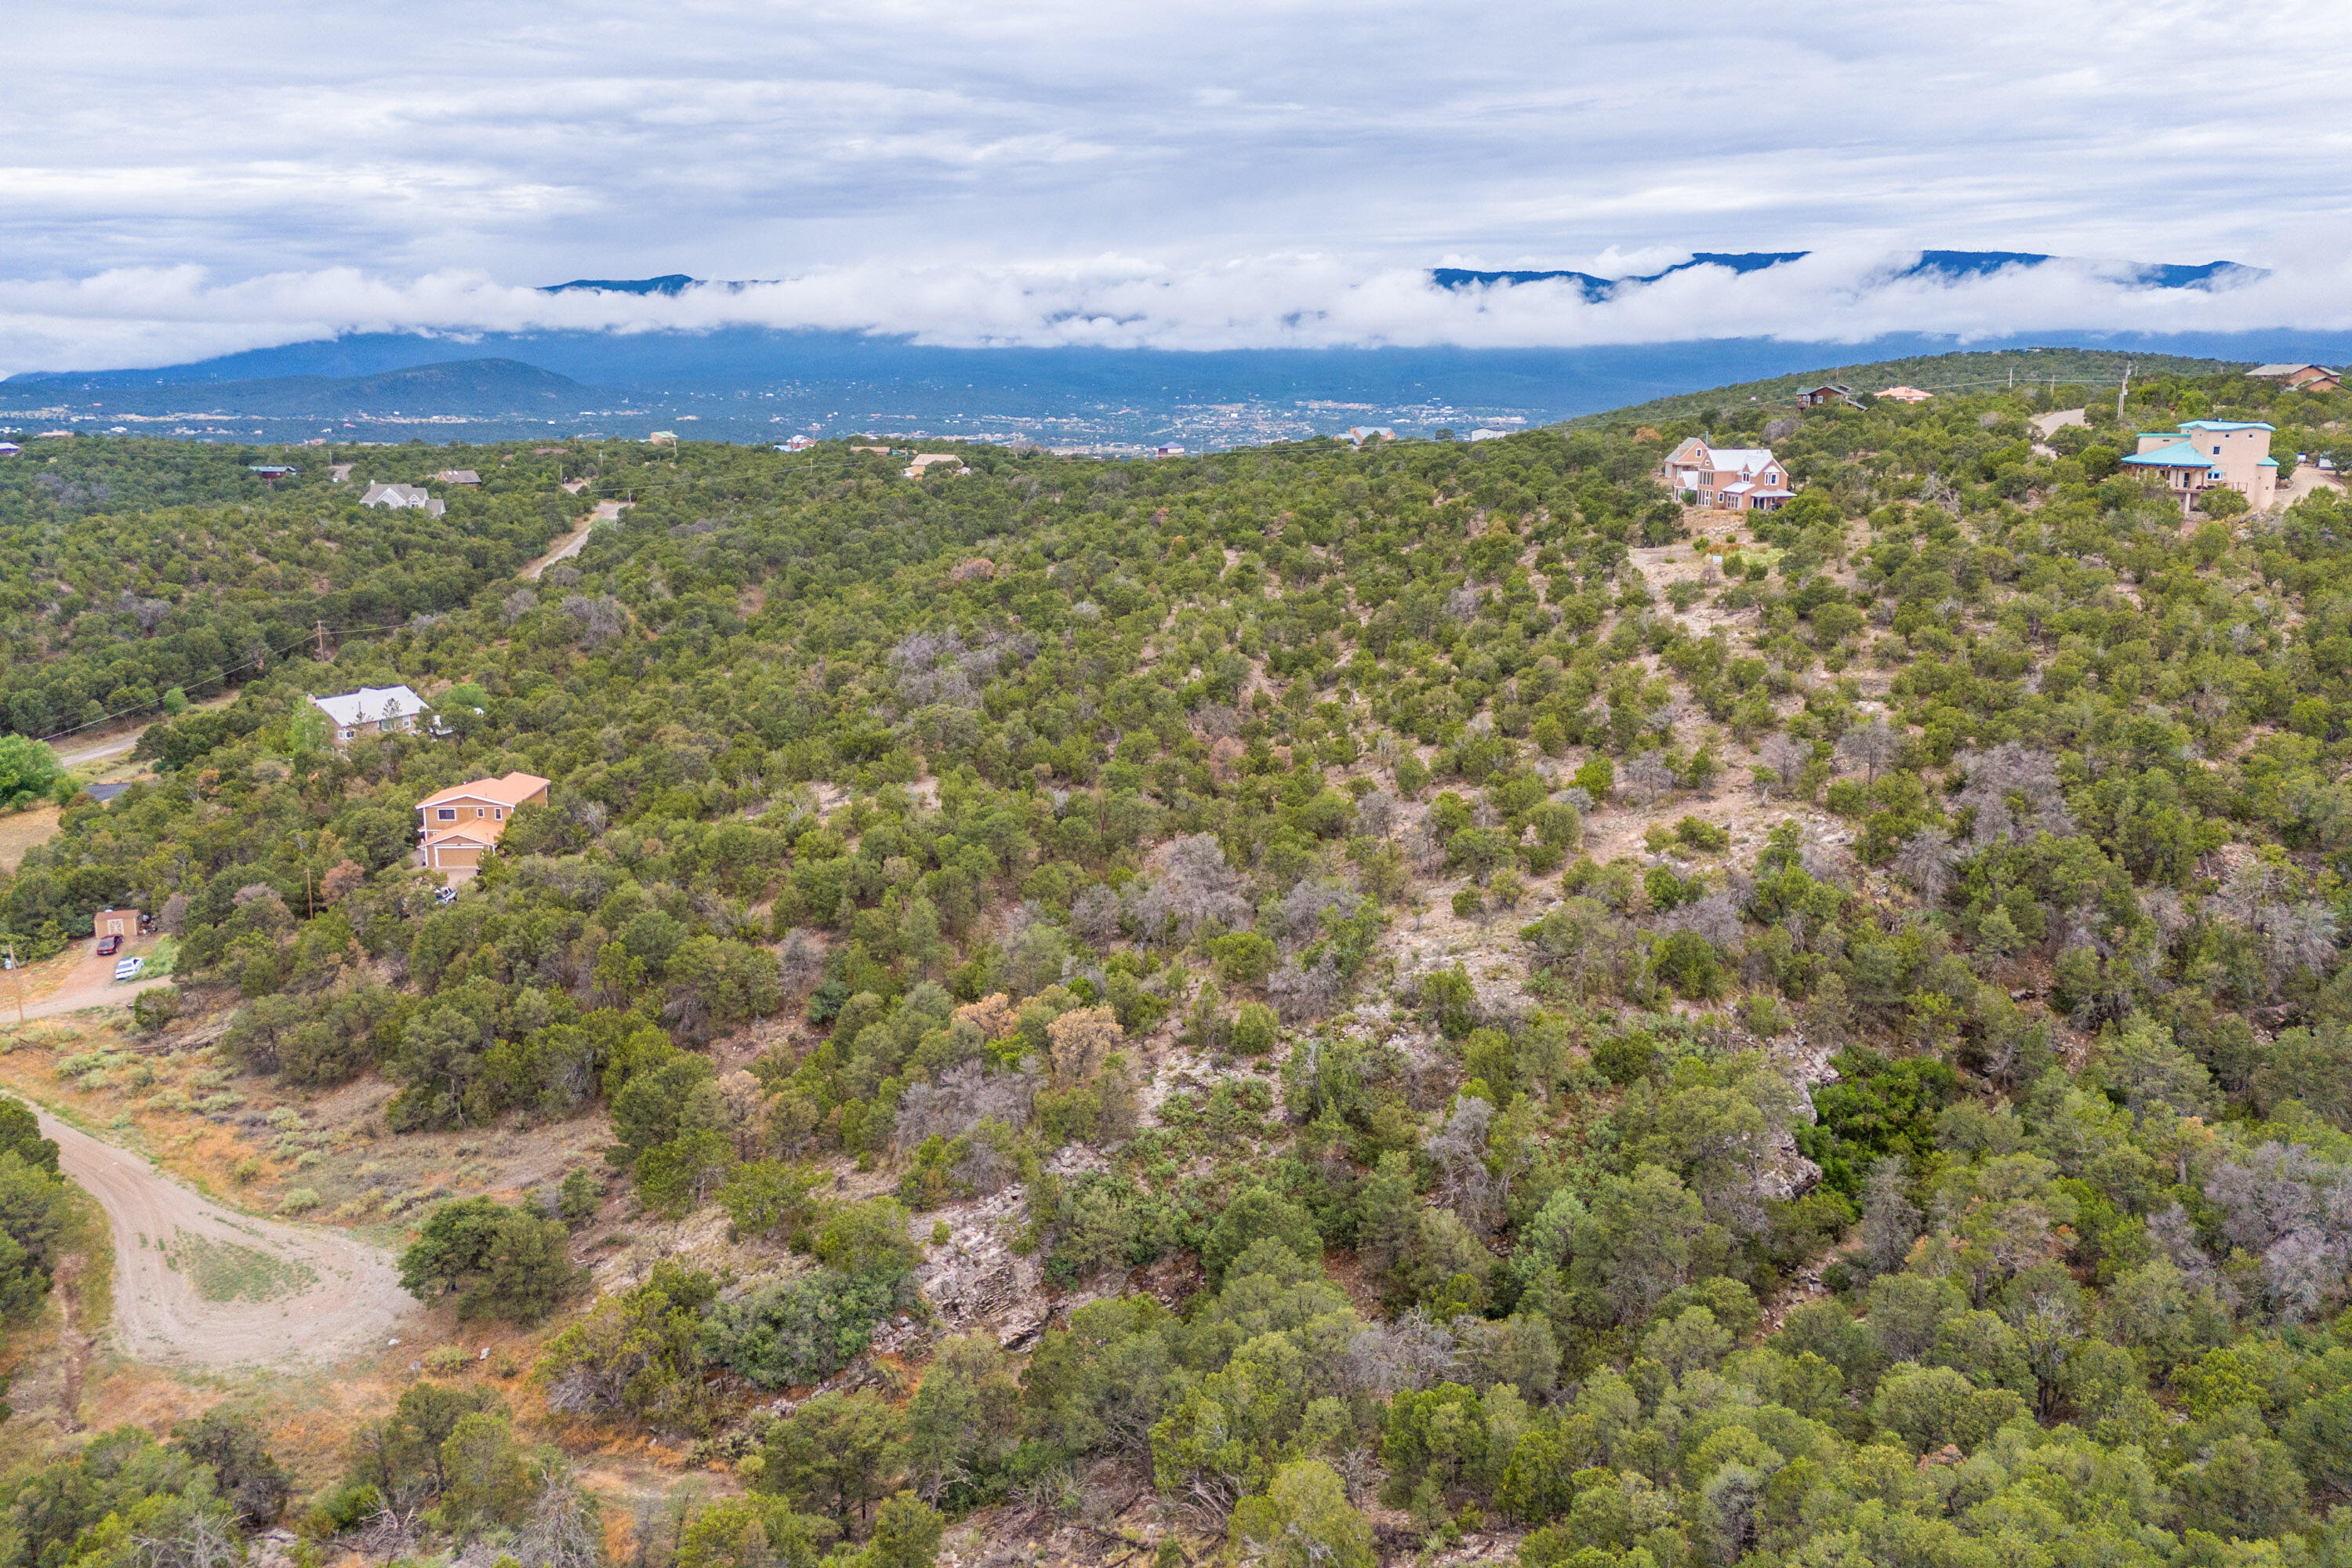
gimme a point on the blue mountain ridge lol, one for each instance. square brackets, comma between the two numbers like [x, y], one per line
[1947, 264]
[669, 283]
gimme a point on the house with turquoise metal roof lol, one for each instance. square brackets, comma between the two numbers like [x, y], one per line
[2204, 454]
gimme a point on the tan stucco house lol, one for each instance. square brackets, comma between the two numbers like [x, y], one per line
[463, 823]
[2204, 454]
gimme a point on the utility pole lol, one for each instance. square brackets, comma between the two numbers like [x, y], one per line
[321, 629]
[16, 975]
[2120, 391]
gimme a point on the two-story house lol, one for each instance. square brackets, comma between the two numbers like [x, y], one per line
[371, 710]
[464, 823]
[1727, 478]
[2204, 454]
[400, 496]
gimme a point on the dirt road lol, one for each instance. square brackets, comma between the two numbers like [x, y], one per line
[571, 544]
[563, 549]
[88, 982]
[198, 1284]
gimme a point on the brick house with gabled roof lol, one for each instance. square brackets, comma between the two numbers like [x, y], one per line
[1727, 479]
[464, 823]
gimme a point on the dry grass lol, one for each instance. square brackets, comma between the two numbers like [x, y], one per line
[250, 1142]
[20, 830]
[224, 1272]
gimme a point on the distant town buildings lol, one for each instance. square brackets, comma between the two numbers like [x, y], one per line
[797, 443]
[2300, 377]
[1906, 395]
[371, 710]
[1727, 478]
[2206, 453]
[398, 497]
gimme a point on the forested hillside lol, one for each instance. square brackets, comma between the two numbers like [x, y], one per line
[1478, 1005]
[2075, 373]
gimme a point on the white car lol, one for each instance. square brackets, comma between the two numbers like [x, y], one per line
[129, 968]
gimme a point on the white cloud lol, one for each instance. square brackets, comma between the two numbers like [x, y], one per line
[135, 317]
[936, 167]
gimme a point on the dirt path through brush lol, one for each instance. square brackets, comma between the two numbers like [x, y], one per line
[196, 1283]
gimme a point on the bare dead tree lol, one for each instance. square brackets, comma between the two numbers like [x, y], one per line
[1926, 862]
[205, 1541]
[1786, 756]
[1094, 914]
[1647, 778]
[1872, 746]
[2015, 793]
[560, 1531]
[1409, 1353]
[1459, 1150]
[601, 618]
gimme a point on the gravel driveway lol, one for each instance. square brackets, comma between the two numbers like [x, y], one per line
[197, 1283]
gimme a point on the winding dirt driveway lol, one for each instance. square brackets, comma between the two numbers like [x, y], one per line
[196, 1283]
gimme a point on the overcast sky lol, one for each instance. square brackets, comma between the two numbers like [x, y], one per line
[216, 175]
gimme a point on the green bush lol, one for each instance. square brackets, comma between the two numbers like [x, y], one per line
[499, 1262]
[800, 1331]
[1254, 1029]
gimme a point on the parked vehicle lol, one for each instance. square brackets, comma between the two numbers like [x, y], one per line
[129, 968]
[108, 946]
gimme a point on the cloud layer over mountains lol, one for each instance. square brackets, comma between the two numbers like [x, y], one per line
[132, 317]
[1195, 173]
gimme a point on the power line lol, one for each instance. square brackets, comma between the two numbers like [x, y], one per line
[267, 652]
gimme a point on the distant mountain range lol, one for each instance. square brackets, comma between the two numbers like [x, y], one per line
[470, 388]
[758, 384]
[1950, 264]
[668, 283]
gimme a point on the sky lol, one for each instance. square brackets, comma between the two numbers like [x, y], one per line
[180, 179]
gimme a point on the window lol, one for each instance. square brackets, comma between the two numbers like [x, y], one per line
[446, 814]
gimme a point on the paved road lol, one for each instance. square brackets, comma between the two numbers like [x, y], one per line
[326, 1294]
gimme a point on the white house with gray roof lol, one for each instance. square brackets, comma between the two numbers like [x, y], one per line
[397, 497]
[371, 710]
